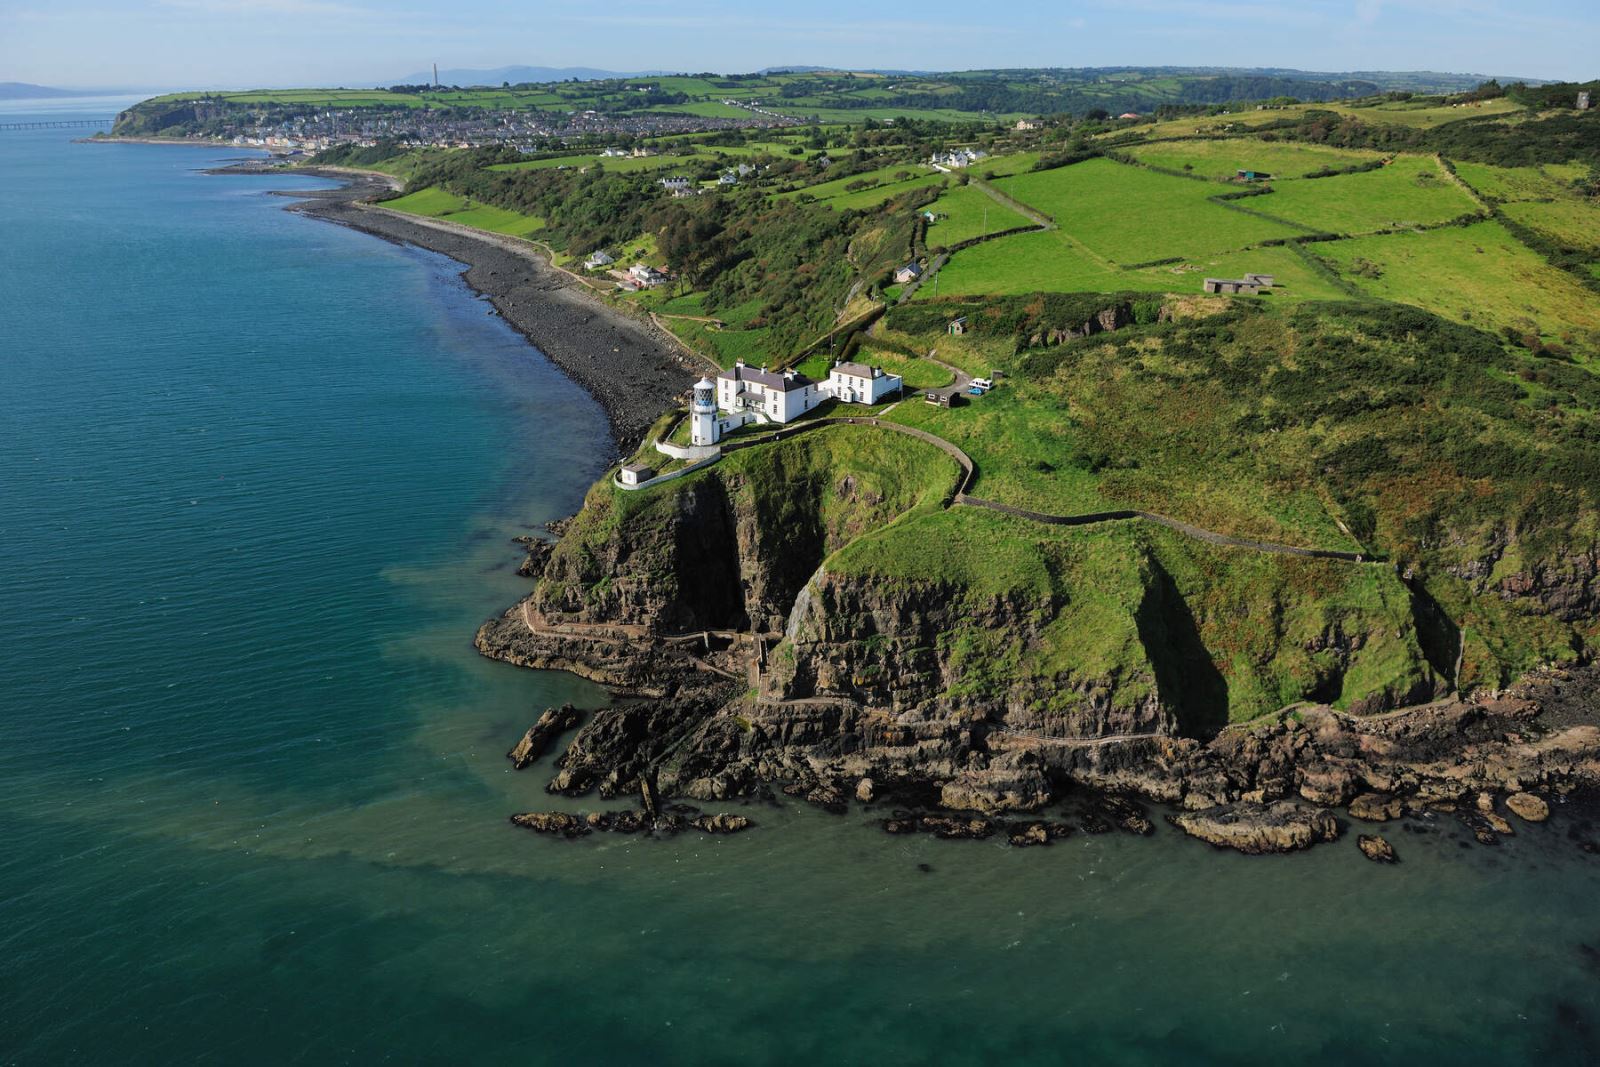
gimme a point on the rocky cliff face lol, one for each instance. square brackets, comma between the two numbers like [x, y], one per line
[858, 652]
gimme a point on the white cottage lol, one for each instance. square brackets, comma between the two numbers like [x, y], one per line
[857, 383]
[767, 396]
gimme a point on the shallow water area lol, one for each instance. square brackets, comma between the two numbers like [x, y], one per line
[258, 477]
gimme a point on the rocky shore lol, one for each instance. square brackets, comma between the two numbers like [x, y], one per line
[713, 716]
[627, 364]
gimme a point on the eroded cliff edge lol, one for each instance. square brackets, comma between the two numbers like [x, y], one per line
[814, 613]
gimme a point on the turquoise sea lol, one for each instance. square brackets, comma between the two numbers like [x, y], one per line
[257, 480]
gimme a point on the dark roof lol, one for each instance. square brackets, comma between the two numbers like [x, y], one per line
[770, 379]
[856, 370]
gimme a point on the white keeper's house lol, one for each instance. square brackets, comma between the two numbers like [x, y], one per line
[857, 383]
[767, 396]
[744, 394]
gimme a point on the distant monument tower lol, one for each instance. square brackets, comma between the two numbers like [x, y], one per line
[703, 427]
[436, 75]
[1583, 101]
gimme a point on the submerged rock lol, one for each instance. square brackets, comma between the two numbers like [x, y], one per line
[1376, 849]
[559, 823]
[533, 744]
[1528, 807]
[1258, 829]
[723, 823]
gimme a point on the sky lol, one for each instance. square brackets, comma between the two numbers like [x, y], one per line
[163, 44]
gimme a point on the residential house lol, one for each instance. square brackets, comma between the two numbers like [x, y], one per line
[1030, 124]
[646, 275]
[767, 396]
[597, 260]
[858, 383]
[677, 183]
[730, 178]
[908, 273]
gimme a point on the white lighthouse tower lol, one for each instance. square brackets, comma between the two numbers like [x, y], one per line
[704, 428]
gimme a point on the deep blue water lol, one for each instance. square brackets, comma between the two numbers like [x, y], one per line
[257, 480]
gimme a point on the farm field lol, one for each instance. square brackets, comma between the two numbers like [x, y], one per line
[1048, 261]
[1478, 274]
[1007, 165]
[1570, 221]
[1221, 159]
[434, 202]
[1511, 184]
[894, 179]
[1401, 113]
[1412, 191]
[1296, 278]
[972, 213]
[1132, 215]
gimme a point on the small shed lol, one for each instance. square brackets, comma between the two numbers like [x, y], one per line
[636, 473]
[1252, 175]
[957, 327]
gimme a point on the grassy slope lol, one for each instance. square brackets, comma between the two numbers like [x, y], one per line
[1221, 159]
[1132, 215]
[972, 213]
[437, 203]
[1411, 191]
[1477, 274]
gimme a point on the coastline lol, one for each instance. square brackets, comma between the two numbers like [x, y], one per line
[631, 369]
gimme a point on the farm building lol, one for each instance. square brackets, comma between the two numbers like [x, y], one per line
[767, 396]
[908, 273]
[636, 473]
[857, 383]
[1250, 283]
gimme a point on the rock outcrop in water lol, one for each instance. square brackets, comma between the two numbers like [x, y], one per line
[736, 611]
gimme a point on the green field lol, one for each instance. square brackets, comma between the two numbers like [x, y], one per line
[1028, 263]
[1570, 221]
[1133, 215]
[1412, 191]
[1221, 159]
[434, 202]
[972, 213]
[1296, 278]
[1510, 184]
[883, 183]
[1476, 274]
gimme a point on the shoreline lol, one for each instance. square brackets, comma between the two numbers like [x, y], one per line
[631, 370]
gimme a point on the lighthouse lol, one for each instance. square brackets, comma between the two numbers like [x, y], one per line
[704, 428]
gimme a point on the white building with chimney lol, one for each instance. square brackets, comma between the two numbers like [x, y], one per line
[767, 396]
[858, 383]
